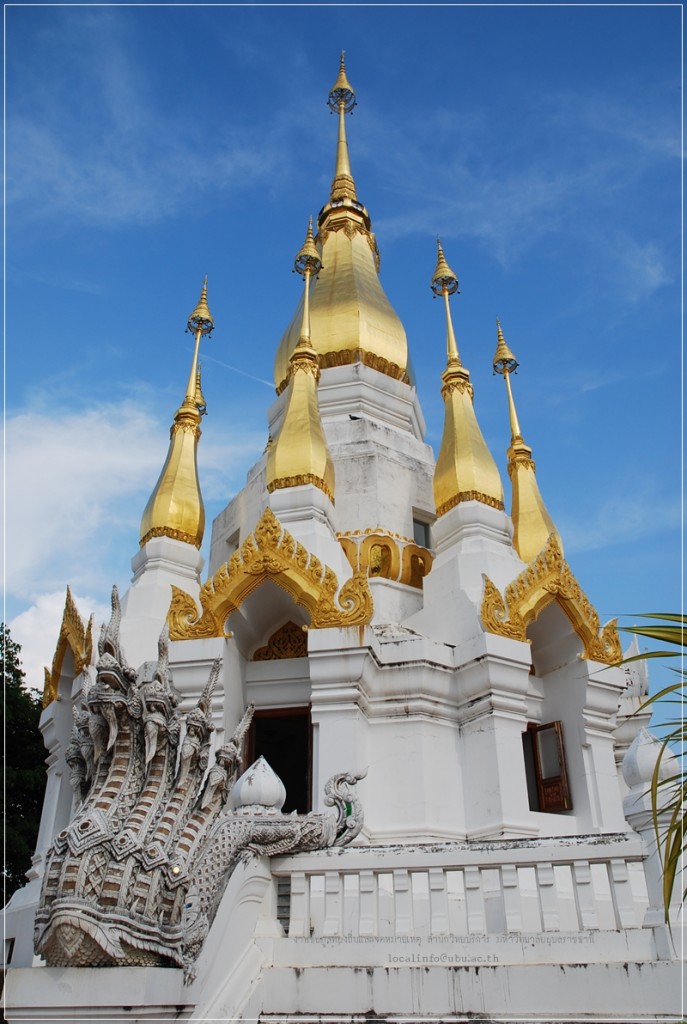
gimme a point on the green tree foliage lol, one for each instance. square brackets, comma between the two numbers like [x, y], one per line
[24, 769]
[668, 795]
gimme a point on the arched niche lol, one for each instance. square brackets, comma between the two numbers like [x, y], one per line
[261, 614]
[553, 640]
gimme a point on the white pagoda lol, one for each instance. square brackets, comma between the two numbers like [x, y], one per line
[380, 763]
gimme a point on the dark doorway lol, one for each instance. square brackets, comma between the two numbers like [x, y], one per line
[283, 736]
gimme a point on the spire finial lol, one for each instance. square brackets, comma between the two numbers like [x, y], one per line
[504, 362]
[308, 258]
[200, 323]
[201, 317]
[308, 264]
[342, 100]
[443, 278]
[342, 91]
[444, 282]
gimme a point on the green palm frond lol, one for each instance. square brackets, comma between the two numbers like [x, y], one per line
[668, 795]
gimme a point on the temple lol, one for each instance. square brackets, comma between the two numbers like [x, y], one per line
[380, 761]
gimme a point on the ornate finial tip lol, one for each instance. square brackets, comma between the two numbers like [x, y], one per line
[504, 361]
[308, 258]
[342, 93]
[201, 317]
[443, 279]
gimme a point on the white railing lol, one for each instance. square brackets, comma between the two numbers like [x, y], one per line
[563, 885]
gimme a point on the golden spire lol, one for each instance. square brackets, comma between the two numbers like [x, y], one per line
[175, 508]
[465, 469]
[342, 100]
[532, 523]
[352, 319]
[299, 454]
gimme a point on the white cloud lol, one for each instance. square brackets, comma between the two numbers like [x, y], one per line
[77, 483]
[625, 518]
[68, 476]
[113, 151]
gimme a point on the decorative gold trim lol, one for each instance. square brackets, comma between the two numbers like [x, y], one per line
[168, 531]
[408, 563]
[350, 550]
[270, 553]
[417, 562]
[300, 480]
[73, 636]
[380, 556]
[486, 499]
[549, 578]
[289, 641]
[350, 228]
[187, 423]
[519, 459]
[378, 530]
[456, 383]
[350, 356]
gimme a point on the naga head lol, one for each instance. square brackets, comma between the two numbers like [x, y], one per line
[113, 692]
[159, 700]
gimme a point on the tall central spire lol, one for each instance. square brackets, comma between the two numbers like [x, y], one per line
[342, 100]
[352, 319]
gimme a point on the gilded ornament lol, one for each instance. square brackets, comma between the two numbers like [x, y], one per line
[417, 562]
[461, 496]
[520, 459]
[289, 641]
[73, 636]
[549, 578]
[381, 553]
[185, 623]
[300, 480]
[185, 424]
[270, 553]
[168, 531]
[457, 383]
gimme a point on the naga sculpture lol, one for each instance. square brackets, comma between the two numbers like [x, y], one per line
[138, 874]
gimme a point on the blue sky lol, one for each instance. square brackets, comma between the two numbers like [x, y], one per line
[148, 146]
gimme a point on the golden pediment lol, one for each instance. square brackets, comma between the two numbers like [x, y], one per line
[549, 578]
[77, 638]
[270, 553]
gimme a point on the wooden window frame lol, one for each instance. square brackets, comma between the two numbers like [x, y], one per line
[553, 791]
